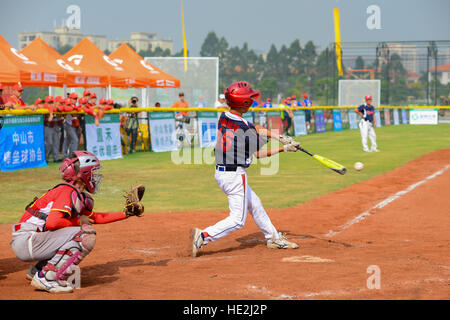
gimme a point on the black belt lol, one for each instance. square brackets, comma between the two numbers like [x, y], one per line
[226, 168]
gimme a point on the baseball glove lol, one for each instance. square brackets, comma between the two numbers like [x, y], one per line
[133, 204]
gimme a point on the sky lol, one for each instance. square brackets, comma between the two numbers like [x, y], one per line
[260, 23]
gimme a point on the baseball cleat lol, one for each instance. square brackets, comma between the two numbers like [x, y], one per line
[31, 272]
[281, 243]
[52, 286]
[197, 241]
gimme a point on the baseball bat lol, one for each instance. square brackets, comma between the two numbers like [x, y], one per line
[336, 167]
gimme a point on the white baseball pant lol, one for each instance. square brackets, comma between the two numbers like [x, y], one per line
[367, 130]
[240, 199]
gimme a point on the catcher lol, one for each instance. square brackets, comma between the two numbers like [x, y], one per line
[56, 229]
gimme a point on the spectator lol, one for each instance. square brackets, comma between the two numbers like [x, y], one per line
[286, 115]
[201, 103]
[294, 102]
[2, 102]
[221, 103]
[51, 131]
[307, 103]
[132, 125]
[181, 103]
[71, 127]
[262, 114]
[157, 105]
[268, 103]
[15, 100]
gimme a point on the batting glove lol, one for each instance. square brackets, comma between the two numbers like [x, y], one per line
[291, 147]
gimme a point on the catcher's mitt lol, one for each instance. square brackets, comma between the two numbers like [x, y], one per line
[133, 204]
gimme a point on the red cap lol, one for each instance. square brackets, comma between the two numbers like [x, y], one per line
[38, 101]
[93, 95]
[293, 97]
[67, 101]
[82, 100]
[283, 100]
[58, 99]
[73, 95]
[18, 87]
[288, 98]
[49, 99]
[368, 97]
[102, 101]
[86, 93]
[110, 102]
[305, 95]
[268, 100]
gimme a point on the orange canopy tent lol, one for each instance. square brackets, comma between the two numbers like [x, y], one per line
[16, 67]
[144, 73]
[88, 56]
[68, 73]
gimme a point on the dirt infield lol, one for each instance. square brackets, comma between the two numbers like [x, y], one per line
[341, 234]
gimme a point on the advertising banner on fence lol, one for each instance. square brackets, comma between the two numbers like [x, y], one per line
[387, 117]
[248, 116]
[337, 120]
[396, 117]
[353, 119]
[423, 116]
[378, 118]
[404, 116]
[274, 121]
[207, 127]
[104, 140]
[299, 123]
[162, 131]
[319, 118]
[22, 142]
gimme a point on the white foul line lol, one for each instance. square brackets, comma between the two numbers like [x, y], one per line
[384, 203]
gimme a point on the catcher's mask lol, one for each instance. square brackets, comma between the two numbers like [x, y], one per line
[84, 166]
[241, 95]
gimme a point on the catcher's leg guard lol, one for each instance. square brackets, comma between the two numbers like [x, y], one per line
[70, 254]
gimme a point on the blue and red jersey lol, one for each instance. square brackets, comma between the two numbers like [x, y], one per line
[368, 112]
[237, 141]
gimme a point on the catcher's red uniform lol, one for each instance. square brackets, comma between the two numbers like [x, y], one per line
[62, 207]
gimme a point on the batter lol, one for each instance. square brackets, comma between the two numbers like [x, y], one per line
[237, 141]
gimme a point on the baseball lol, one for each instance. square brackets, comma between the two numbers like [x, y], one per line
[359, 166]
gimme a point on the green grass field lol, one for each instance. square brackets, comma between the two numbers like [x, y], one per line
[190, 187]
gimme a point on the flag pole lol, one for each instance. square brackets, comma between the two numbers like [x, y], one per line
[184, 38]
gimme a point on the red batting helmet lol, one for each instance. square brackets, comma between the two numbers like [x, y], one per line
[368, 97]
[89, 165]
[240, 94]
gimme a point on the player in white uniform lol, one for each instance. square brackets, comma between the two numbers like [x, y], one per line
[367, 124]
[237, 141]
